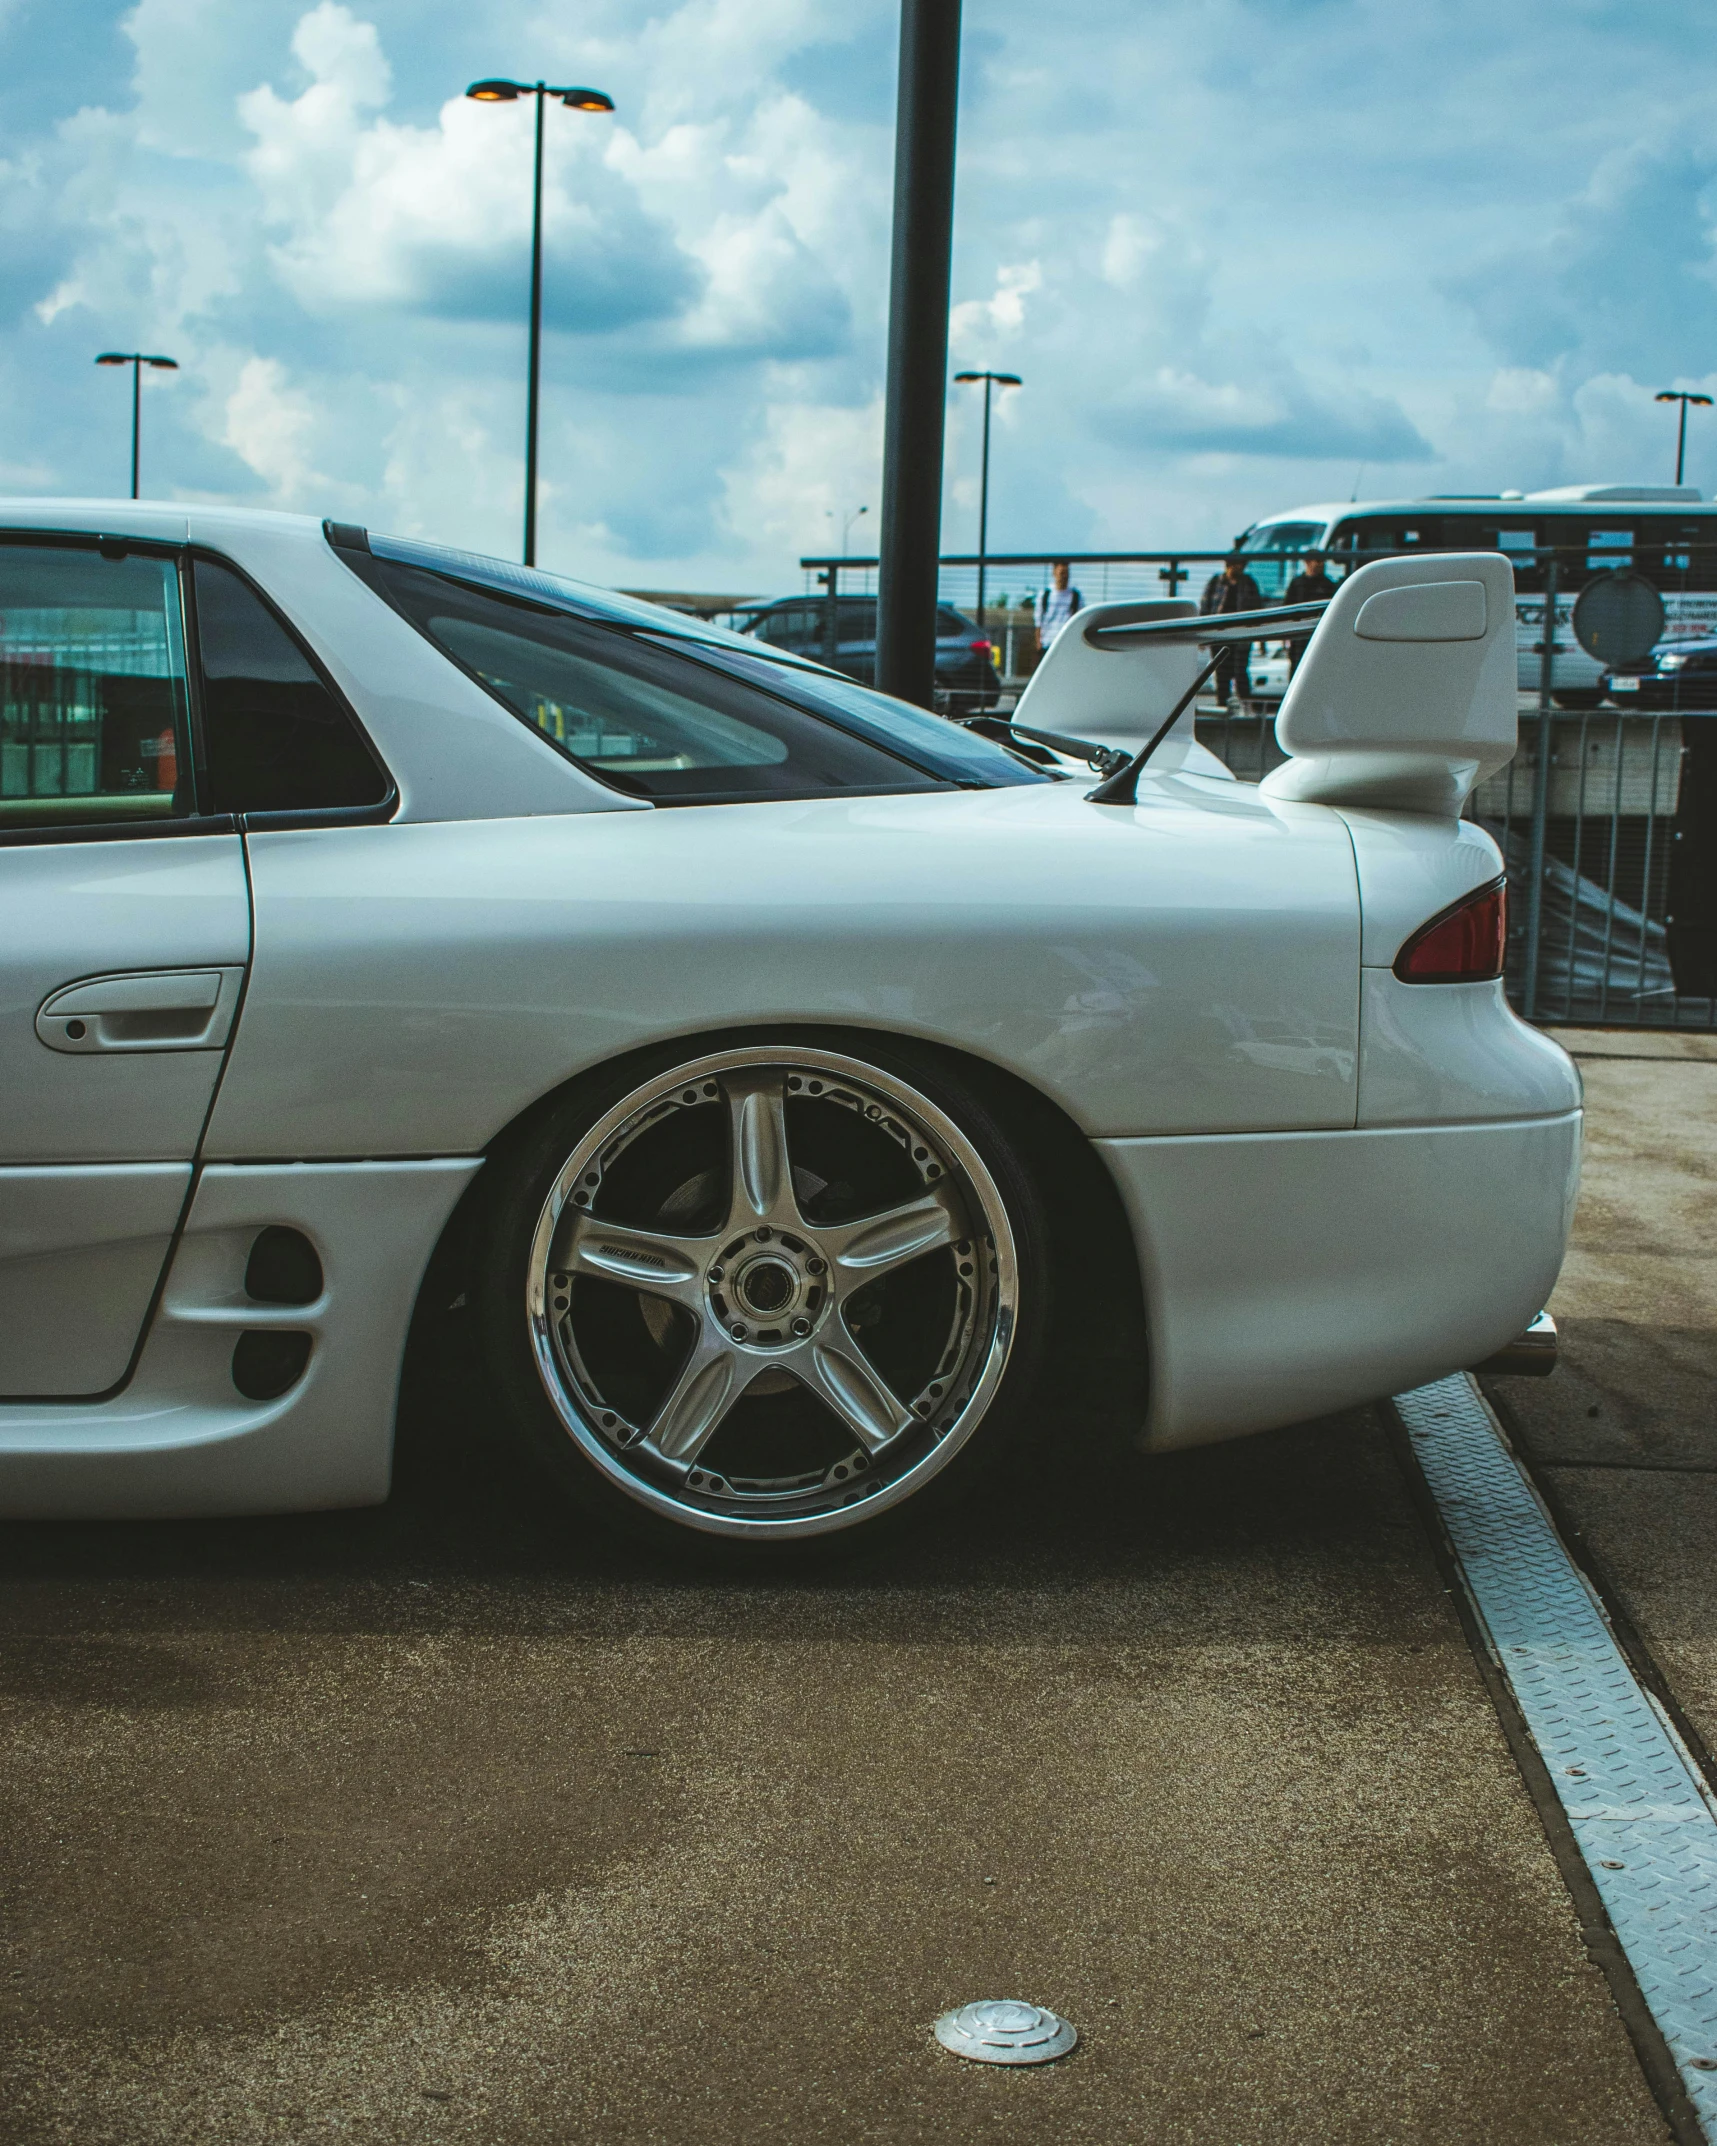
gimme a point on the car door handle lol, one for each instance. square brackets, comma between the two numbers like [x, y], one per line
[152, 1010]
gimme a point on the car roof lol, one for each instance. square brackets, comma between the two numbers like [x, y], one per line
[179, 522]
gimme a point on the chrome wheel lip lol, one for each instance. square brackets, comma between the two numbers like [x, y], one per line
[864, 1502]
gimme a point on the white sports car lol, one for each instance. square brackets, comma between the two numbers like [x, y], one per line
[783, 1076]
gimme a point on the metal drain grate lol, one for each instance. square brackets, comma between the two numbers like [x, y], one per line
[1639, 1811]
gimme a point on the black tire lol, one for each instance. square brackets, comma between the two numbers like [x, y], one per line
[593, 1344]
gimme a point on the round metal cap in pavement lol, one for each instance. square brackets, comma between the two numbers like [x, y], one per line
[1001, 2030]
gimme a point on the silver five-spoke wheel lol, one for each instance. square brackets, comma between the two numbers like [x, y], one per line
[772, 1292]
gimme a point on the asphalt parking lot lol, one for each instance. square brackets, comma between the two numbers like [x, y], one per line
[445, 1822]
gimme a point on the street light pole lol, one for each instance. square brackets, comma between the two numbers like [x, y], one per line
[1675, 394]
[533, 389]
[990, 380]
[577, 100]
[137, 359]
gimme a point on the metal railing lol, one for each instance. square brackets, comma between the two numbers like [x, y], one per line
[1013, 580]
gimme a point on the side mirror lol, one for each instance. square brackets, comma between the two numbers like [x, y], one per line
[1405, 697]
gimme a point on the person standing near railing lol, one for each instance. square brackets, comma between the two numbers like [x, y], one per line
[1311, 585]
[1056, 604]
[1231, 590]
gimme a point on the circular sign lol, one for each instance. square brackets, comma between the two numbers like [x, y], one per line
[1618, 618]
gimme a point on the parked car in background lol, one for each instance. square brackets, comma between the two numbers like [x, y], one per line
[1677, 674]
[965, 665]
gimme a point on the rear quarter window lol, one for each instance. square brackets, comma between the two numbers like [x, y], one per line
[636, 711]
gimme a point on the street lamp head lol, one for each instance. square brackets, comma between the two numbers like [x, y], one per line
[998, 379]
[493, 92]
[165, 365]
[114, 357]
[1675, 394]
[586, 100]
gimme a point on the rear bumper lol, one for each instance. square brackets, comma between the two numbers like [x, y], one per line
[1290, 1274]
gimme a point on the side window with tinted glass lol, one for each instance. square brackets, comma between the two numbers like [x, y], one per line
[278, 739]
[92, 688]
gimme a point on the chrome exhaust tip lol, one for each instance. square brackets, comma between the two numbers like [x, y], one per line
[1531, 1355]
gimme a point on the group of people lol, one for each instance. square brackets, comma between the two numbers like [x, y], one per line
[1233, 589]
[1230, 590]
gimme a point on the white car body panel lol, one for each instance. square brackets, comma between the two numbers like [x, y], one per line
[1337, 1183]
[109, 1135]
[81, 1249]
[89, 909]
[1132, 966]
[1260, 1312]
[180, 1439]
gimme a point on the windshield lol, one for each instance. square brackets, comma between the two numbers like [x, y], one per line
[1273, 575]
[669, 714]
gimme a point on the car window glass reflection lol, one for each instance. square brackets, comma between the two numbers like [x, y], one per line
[636, 712]
[278, 740]
[639, 726]
[92, 688]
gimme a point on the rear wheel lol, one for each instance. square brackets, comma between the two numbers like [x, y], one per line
[768, 1293]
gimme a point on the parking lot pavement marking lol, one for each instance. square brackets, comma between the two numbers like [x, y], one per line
[1640, 1813]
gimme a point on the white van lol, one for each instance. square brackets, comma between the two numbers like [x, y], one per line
[1666, 532]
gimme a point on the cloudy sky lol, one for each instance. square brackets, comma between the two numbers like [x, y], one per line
[1246, 253]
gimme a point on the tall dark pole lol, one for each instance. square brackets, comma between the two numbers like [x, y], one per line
[984, 502]
[911, 530]
[990, 380]
[1684, 397]
[536, 341]
[137, 359]
[500, 91]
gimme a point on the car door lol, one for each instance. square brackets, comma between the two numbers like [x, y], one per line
[124, 935]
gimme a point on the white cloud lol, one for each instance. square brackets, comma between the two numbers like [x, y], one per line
[1129, 245]
[980, 323]
[1520, 391]
[1231, 260]
[812, 466]
[269, 424]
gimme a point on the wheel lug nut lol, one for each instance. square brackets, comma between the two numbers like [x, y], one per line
[815, 1265]
[715, 1274]
[738, 1333]
[801, 1327]
[764, 1235]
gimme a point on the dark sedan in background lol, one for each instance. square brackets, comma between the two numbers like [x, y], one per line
[965, 671]
[1677, 674]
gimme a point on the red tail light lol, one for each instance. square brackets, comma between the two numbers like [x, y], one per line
[1464, 945]
[981, 648]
